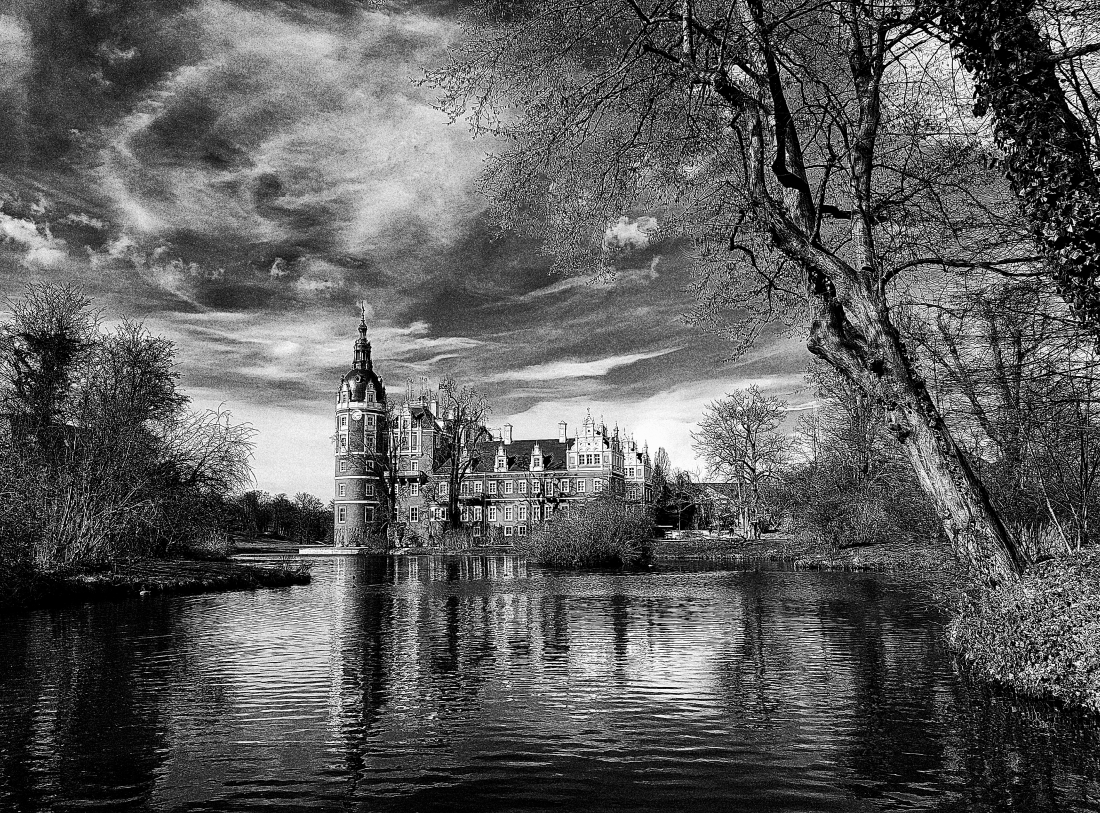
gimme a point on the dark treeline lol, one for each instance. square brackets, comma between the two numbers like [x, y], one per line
[301, 519]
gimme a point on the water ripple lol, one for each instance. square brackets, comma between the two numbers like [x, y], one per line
[485, 684]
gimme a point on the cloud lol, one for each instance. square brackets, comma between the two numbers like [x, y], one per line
[41, 249]
[242, 175]
[626, 233]
[577, 369]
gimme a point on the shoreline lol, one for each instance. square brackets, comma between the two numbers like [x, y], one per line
[175, 576]
[779, 549]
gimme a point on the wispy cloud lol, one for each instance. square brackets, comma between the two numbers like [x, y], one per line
[576, 369]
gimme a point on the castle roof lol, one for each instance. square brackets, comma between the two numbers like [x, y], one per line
[519, 453]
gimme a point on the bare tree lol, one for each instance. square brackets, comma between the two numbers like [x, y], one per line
[786, 135]
[464, 410]
[384, 460]
[739, 440]
[106, 459]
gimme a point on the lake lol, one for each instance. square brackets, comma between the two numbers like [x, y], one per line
[487, 684]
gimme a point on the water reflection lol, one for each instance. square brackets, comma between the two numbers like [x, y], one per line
[483, 684]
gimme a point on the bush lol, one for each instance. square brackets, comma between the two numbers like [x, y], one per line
[826, 505]
[598, 532]
[1040, 635]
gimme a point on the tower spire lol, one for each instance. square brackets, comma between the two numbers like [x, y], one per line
[362, 346]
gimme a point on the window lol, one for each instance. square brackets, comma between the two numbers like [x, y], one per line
[369, 442]
[522, 486]
[522, 513]
[414, 489]
[536, 487]
[508, 513]
[414, 465]
[414, 513]
[443, 488]
[464, 489]
[342, 513]
[597, 485]
[370, 421]
[368, 514]
[370, 395]
[343, 490]
[343, 420]
[477, 513]
[479, 486]
[522, 530]
[368, 489]
[343, 466]
[343, 441]
[580, 485]
[572, 460]
[492, 513]
[441, 513]
[464, 512]
[508, 486]
[492, 486]
[508, 530]
[535, 513]
[415, 442]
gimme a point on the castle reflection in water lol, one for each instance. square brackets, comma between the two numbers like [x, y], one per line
[467, 683]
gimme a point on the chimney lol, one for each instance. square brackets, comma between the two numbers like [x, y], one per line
[507, 433]
[434, 407]
[562, 428]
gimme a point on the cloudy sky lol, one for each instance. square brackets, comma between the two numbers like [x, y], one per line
[240, 175]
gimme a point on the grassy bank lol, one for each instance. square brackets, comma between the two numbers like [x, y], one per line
[143, 577]
[891, 556]
[1039, 636]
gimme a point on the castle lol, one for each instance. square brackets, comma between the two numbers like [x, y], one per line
[403, 453]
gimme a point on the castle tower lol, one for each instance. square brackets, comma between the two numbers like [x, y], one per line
[361, 438]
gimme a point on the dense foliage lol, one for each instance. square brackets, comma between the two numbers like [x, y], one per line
[598, 532]
[100, 455]
[1040, 635]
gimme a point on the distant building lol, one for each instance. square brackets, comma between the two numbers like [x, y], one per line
[512, 484]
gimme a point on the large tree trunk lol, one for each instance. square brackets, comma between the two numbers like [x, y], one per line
[852, 331]
[1047, 152]
[854, 334]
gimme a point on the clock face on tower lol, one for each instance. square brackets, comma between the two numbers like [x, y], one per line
[357, 415]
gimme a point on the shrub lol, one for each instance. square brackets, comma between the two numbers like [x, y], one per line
[600, 531]
[829, 505]
[1040, 635]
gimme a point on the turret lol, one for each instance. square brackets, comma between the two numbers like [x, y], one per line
[362, 359]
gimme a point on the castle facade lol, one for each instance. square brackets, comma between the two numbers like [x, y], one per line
[401, 455]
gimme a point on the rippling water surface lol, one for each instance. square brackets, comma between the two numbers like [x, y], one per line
[483, 684]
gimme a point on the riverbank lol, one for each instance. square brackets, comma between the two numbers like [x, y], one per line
[145, 577]
[1039, 637]
[927, 557]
